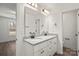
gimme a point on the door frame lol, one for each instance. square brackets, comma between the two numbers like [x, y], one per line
[63, 27]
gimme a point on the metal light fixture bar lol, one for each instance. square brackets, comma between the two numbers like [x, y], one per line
[45, 12]
[32, 6]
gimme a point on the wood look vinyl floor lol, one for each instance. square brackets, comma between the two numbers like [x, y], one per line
[8, 48]
[67, 52]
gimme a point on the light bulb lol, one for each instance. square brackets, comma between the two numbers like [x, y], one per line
[46, 11]
[29, 3]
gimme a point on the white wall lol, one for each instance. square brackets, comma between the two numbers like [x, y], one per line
[5, 16]
[50, 21]
[49, 24]
[20, 28]
[60, 33]
[5, 30]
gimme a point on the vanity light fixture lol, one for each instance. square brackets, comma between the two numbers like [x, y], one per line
[32, 6]
[45, 12]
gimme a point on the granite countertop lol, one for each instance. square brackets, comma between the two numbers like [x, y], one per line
[40, 39]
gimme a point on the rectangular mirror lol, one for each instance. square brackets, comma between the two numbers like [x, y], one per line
[32, 22]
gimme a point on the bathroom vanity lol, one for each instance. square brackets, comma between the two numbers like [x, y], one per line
[40, 46]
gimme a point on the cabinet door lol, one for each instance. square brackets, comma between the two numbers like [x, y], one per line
[27, 49]
[50, 51]
[52, 47]
[55, 45]
[40, 46]
[43, 52]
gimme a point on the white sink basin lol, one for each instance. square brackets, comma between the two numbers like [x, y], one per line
[45, 37]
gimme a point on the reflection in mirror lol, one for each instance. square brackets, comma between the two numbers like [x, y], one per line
[32, 22]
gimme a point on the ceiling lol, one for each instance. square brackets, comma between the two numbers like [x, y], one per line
[11, 6]
[51, 7]
[58, 7]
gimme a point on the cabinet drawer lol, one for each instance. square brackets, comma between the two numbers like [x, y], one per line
[41, 52]
[50, 50]
[41, 46]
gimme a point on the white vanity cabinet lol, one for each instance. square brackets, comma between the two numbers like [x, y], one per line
[45, 48]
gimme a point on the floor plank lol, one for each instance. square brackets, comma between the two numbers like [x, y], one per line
[67, 52]
[8, 48]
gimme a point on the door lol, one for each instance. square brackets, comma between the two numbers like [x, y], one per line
[70, 29]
